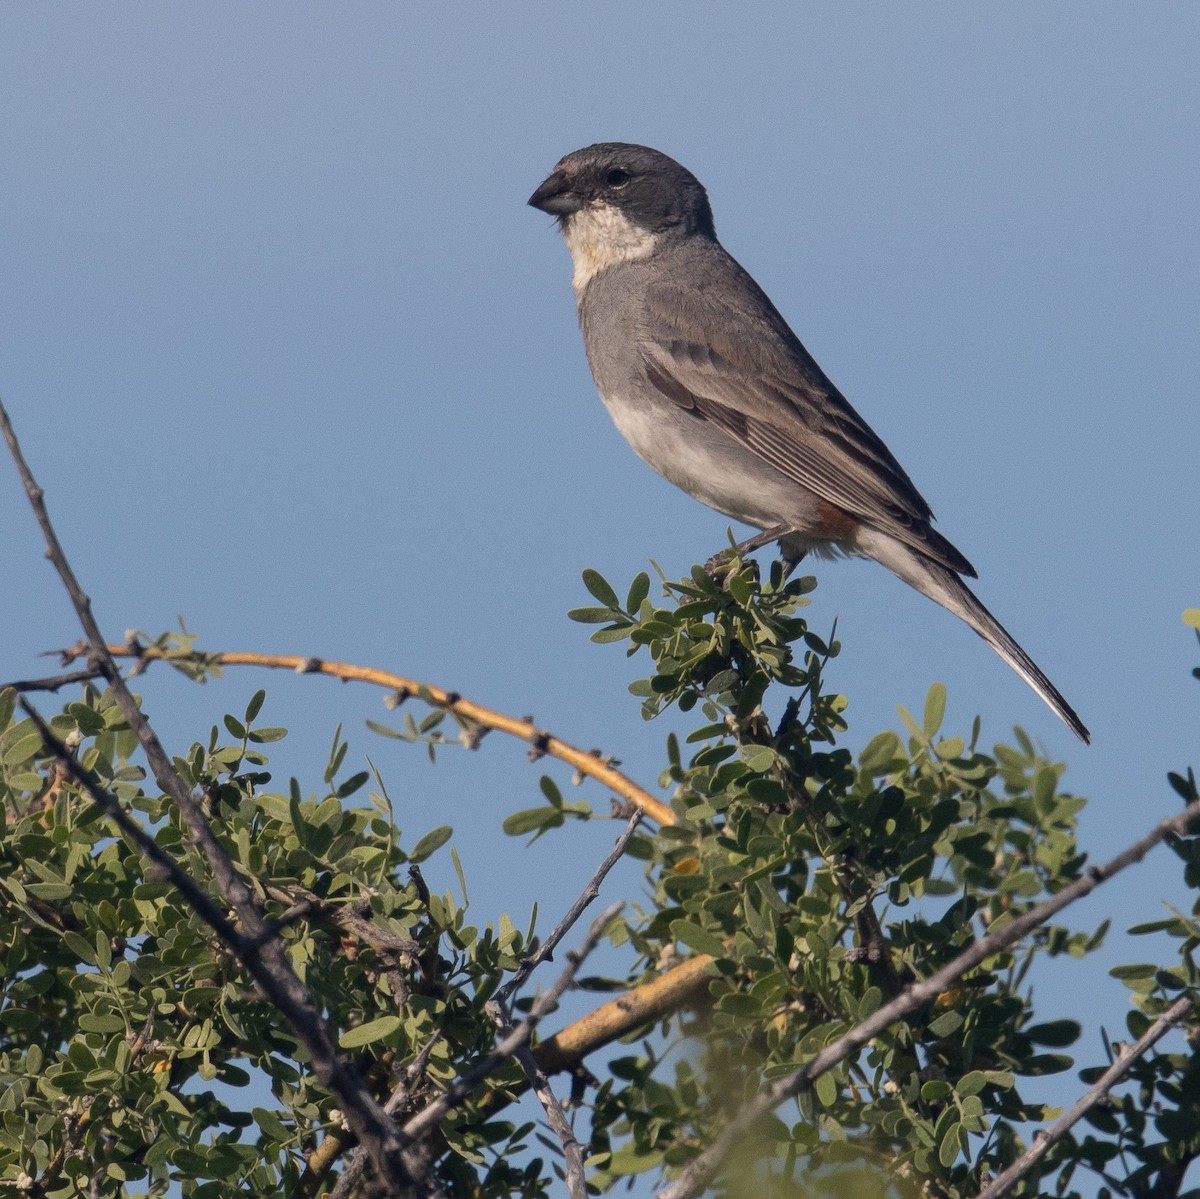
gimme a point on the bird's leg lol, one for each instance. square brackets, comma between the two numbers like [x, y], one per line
[774, 533]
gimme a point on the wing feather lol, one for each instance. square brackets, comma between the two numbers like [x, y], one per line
[738, 365]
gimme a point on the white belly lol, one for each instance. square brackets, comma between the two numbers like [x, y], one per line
[710, 466]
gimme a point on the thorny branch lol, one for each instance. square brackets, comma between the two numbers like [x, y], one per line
[541, 742]
[701, 1169]
[496, 1009]
[546, 950]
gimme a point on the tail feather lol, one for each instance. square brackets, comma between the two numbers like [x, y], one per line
[946, 588]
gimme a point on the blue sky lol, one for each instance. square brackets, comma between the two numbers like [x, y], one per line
[292, 359]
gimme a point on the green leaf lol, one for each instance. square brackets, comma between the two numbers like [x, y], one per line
[825, 1088]
[352, 784]
[431, 843]
[946, 1024]
[373, 1030]
[23, 749]
[697, 938]
[616, 633]
[935, 709]
[549, 789]
[51, 892]
[532, 820]
[1140, 970]
[590, 615]
[1055, 1033]
[255, 705]
[639, 589]
[271, 1124]
[950, 1145]
[760, 758]
[598, 585]
[235, 727]
[971, 1084]
[266, 734]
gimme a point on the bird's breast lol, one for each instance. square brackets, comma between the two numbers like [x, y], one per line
[709, 465]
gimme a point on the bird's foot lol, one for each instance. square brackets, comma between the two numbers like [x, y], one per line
[719, 564]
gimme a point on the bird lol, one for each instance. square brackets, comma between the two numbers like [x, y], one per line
[712, 389]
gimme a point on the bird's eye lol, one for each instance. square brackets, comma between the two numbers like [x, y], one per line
[616, 177]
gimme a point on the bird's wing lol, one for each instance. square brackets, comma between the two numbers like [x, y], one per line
[726, 354]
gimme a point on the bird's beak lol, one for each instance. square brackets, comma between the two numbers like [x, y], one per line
[554, 196]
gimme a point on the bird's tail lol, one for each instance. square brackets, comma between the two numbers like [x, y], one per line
[946, 588]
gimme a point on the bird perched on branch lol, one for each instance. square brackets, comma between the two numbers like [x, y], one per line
[710, 386]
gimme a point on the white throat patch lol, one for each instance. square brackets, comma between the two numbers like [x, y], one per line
[600, 236]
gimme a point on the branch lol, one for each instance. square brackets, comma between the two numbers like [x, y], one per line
[540, 741]
[334, 1143]
[53, 683]
[615, 1019]
[497, 1006]
[1045, 1140]
[555, 1116]
[267, 962]
[424, 1122]
[560, 930]
[701, 1169]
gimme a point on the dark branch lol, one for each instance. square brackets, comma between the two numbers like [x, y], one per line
[496, 1009]
[53, 683]
[546, 950]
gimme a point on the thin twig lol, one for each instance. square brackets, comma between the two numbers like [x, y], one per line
[585, 762]
[1044, 1141]
[267, 962]
[424, 1122]
[53, 683]
[701, 1169]
[497, 1010]
[546, 950]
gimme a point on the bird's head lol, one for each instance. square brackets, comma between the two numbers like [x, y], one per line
[617, 202]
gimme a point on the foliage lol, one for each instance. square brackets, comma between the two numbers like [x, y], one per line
[818, 882]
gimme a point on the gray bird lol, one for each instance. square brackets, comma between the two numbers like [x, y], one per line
[705, 380]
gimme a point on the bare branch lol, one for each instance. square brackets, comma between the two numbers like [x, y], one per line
[555, 1116]
[1045, 1140]
[546, 950]
[586, 763]
[424, 1122]
[53, 683]
[497, 1010]
[267, 962]
[701, 1169]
